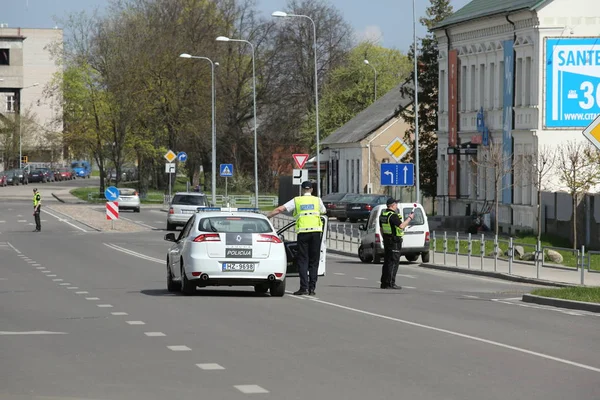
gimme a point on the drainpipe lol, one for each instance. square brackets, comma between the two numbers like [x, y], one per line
[369, 185]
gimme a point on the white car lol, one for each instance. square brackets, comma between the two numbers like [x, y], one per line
[129, 199]
[232, 247]
[416, 235]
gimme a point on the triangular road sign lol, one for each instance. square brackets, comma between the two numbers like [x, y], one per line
[300, 159]
[226, 171]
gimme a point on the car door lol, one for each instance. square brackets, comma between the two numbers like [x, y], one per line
[414, 233]
[178, 248]
[369, 239]
[289, 237]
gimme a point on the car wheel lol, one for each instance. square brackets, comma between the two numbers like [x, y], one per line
[362, 256]
[411, 257]
[172, 286]
[376, 256]
[425, 257]
[186, 287]
[278, 288]
[261, 288]
[170, 227]
[341, 219]
[137, 210]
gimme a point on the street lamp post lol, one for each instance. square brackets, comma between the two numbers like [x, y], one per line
[417, 182]
[214, 134]
[21, 129]
[375, 71]
[226, 39]
[282, 14]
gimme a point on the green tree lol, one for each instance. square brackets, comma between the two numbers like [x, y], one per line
[428, 75]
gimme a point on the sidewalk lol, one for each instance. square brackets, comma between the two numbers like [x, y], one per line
[521, 272]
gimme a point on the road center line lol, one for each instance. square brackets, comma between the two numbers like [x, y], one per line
[133, 253]
[13, 247]
[462, 335]
[64, 220]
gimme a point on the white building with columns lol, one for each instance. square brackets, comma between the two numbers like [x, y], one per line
[533, 68]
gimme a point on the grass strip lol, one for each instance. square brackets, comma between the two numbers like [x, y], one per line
[587, 294]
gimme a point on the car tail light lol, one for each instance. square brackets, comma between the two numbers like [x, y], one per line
[268, 238]
[426, 238]
[171, 211]
[208, 237]
[196, 273]
[369, 207]
[278, 274]
[377, 238]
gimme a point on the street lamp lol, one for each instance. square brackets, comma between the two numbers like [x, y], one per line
[226, 39]
[281, 14]
[418, 191]
[21, 129]
[374, 70]
[214, 134]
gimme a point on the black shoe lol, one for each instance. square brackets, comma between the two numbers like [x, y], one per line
[311, 293]
[394, 286]
[300, 293]
[36, 230]
[384, 286]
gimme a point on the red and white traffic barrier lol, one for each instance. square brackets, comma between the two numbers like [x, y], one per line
[112, 210]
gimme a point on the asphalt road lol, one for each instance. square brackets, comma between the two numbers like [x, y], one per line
[85, 315]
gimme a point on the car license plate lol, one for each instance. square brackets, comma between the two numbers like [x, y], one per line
[238, 267]
[187, 211]
[356, 208]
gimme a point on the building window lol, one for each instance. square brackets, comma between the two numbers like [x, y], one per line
[492, 101]
[463, 89]
[473, 86]
[358, 176]
[442, 96]
[482, 102]
[347, 175]
[10, 103]
[4, 56]
[529, 81]
[501, 85]
[352, 177]
[519, 83]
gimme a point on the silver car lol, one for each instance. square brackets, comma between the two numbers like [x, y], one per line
[183, 206]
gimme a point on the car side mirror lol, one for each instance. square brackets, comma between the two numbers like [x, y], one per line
[170, 237]
[362, 227]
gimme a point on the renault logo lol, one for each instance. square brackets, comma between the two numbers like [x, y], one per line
[238, 238]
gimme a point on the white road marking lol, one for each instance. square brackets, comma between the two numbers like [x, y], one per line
[209, 367]
[2, 222]
[19, 215]
[92, 298]
[133, 253]
[136, 322]
[470, 297]
[51, 275]
[64, 220]
[154, 334]
[119, 313]
[46, 271]
[81, 292]
[461, 335]
[72, 287]
[407, 276]
[22, 220]
[7, 333]
[542, 307]
[137, 222]
[360, 278]
[339, 273]
[40, 267]
[159, 222]
[13, 247]
[250, 389]
[438, 291]
[64, 284]
[57, 280]
[35, 265]
[31, 262]
[179, 348]
[409, 287]
[104, 305]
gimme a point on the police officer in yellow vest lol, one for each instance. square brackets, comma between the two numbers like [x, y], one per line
[392, 230]
[37, 203]
[309, 227]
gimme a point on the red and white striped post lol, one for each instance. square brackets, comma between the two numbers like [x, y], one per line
[112, 212]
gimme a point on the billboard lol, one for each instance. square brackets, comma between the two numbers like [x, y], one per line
[452, 121]
[572, 82]
[507, 119]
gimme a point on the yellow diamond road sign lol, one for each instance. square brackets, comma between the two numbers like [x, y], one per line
[397, 149]
[592, 132]
[170, 156]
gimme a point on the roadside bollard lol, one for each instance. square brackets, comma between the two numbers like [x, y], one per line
[510, 255]
[582, 266]
[445, 246]
[469, 251]
[482, 249]
[495, 253]
[434, 246]
[538, 253]
[456, 248]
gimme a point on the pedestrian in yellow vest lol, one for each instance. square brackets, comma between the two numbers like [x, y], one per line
[309, 227]
[392, 230]
[37, 203]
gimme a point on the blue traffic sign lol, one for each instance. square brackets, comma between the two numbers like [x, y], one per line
[111, 193]
[226, 170]
[182, 156]
[397, 174]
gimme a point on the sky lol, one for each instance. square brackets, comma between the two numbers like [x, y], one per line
[390, 22]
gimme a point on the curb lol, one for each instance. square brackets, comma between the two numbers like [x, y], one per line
[571, 304]
[498, 275]
[68, 202]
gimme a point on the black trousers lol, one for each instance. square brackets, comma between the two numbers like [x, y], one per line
[36, 215]
[391, 260]
[307, 259]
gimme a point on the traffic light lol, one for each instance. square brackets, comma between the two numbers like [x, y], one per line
[23, 159]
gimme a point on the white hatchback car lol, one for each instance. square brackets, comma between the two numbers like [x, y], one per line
[416, 235]
[129, 199]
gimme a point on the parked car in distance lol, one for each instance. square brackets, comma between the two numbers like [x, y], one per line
[3, 179]
[337, 208]
[415, 242]
[360, 208]
[64, 174]
[328, 199]
[11, 177]
[37, 176]
[183, 206]
[82, 168]
[50, 177]
[129, 199]
[22, 175]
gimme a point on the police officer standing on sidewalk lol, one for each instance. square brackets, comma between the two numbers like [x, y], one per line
[37, 203]
[309, 227]
[392, 230]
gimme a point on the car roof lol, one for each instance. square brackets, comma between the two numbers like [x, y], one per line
[189, 193]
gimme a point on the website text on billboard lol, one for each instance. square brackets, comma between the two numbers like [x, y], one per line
[572, 82]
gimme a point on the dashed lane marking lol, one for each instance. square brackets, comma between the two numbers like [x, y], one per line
[104, 305]
[179, 348]
[72, 287]
[136, 322]
[92, 298]
[250, 389]
[82, 292]
[339, 273]
[36, 265]
[210, 367]
[51, 275]
[64, 284]
[57, 280]
[118, 313]
[360, 278]
[154, 334]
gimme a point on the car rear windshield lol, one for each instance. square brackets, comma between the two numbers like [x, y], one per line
[234, 225]
[333, 197]
[419, 217]
[371, 199]
[127, 192]
[188, 200]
